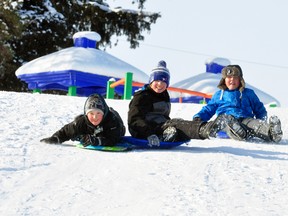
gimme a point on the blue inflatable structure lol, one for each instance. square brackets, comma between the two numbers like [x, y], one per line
[82, 68]
[204, 82]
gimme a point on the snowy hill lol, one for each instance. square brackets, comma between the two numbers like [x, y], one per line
[204, 177]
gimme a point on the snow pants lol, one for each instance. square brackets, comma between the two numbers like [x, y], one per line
[254, 128]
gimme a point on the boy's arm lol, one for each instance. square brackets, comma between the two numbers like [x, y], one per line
[138, 109]
[207, 111]
[67, 132]
[258, 107]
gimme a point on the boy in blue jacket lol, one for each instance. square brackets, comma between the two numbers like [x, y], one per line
[243, 114]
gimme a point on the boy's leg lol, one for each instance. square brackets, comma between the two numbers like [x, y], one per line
[267, 131]
[234, 128]
[211, 128]
[198, 129]
[185, 129]
[257, 128]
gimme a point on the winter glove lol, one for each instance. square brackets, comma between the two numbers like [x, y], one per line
[90, 140]
[51, 140]
[197, 119]
[153, 140]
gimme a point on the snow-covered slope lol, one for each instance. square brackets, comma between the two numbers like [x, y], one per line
[204, 177]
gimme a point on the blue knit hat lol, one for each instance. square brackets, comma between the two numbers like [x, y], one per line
[160, 73]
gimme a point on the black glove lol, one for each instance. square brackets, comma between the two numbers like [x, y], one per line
[85, 140]
[51, 140]
[90, 140]
[197, 119]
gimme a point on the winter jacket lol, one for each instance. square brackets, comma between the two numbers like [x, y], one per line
[148, 111]
[245, 104]
[108, 132]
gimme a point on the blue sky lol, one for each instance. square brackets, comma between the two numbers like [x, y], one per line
[249, 33]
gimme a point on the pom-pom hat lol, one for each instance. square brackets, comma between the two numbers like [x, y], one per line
[160, 73]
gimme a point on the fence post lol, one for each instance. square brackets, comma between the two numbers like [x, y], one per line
[128, 86]
[36, 90]
[110, 92]
[72, 91]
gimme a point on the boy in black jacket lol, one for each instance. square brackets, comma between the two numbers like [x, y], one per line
[99, 125]
[149, 110]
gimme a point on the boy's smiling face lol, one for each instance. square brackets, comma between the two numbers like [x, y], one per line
[158, 86]
[232, 82]
[95, 117]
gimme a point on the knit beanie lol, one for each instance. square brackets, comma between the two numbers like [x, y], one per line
[160, 73]
[231, 70]
[95, 102]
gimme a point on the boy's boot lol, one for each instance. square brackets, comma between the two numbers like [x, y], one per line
[210, 129]
[169, 134]
[275, 129]
[234, 128]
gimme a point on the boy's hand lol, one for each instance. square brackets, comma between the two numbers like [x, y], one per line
[197, 119]
[153, 140]
[86, 140]
[51, 140]
[90, 140]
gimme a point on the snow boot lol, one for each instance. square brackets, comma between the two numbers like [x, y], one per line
[235, 129]
[210, 129]
[275, 129]
[169, 134]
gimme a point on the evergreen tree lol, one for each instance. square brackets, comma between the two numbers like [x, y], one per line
[10, 29]
[50, 25]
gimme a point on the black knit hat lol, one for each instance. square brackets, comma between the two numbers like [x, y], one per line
[231, 70]
[95, 102]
